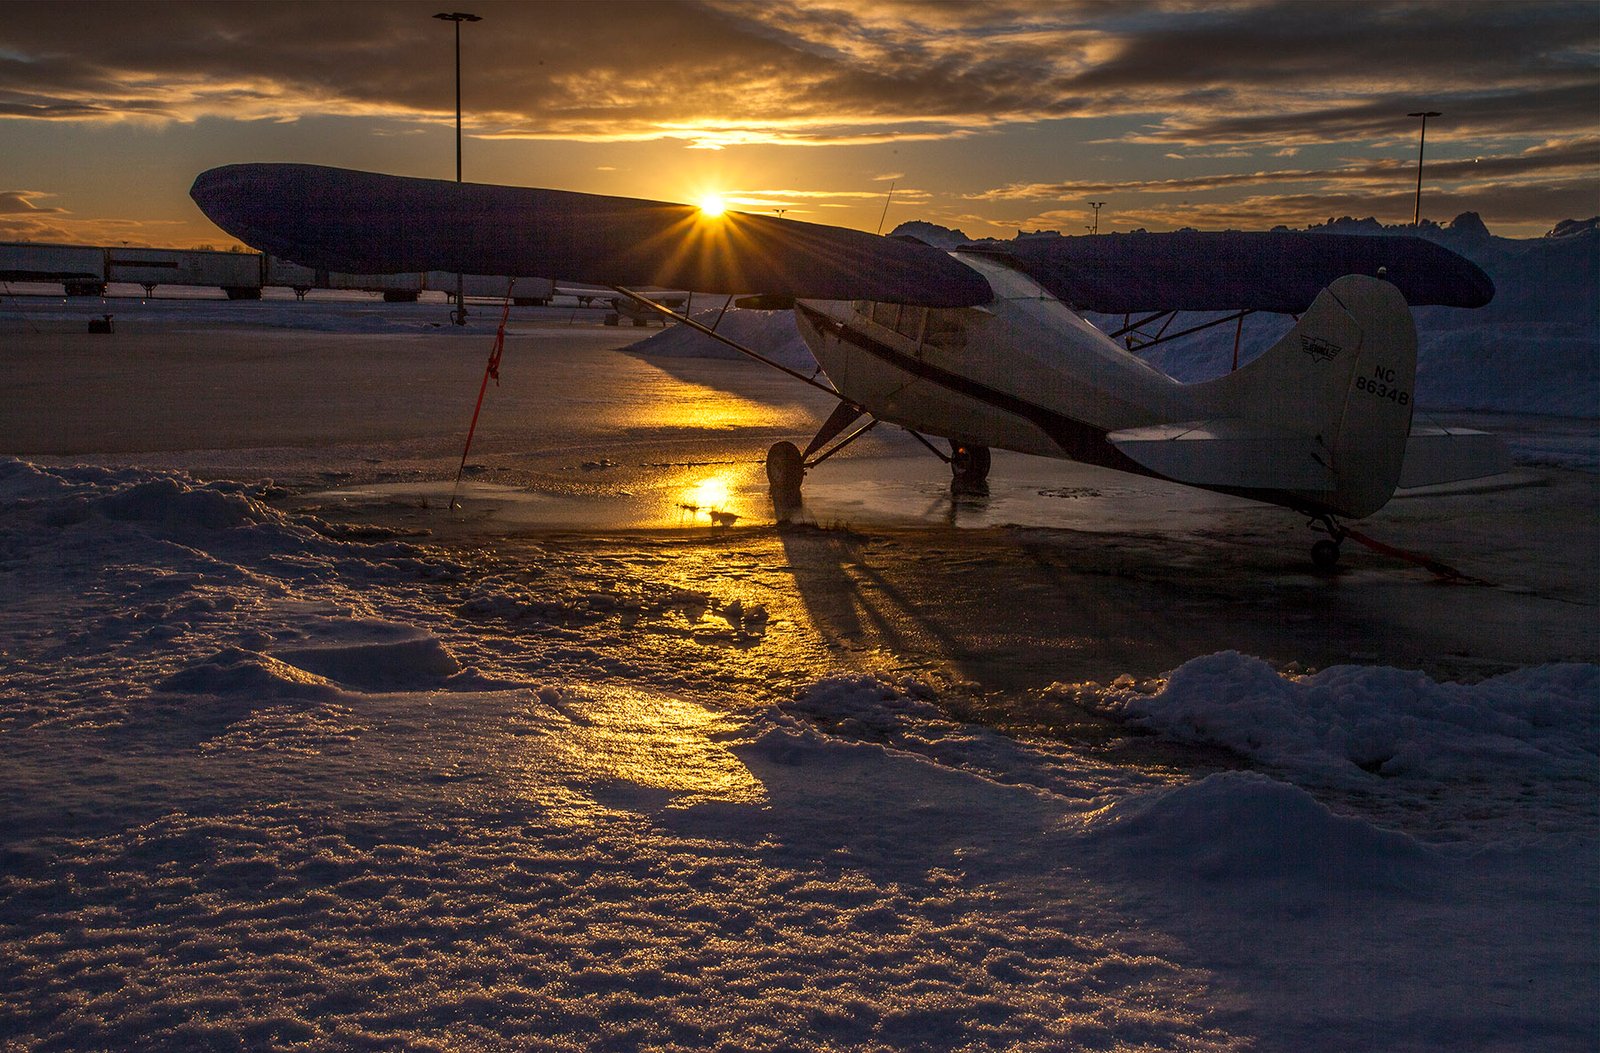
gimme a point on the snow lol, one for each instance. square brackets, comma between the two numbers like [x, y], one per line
[267, 785]
[1237, 831]
[272, 780]
[772, 333]
[1354, 724]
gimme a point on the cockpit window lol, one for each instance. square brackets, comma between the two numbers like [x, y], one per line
[947, 327]
[907, 321]
[941, 327]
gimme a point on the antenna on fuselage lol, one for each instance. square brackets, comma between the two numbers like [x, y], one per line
[885, 212]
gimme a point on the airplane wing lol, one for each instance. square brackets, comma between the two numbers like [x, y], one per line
[1276, 271]
[337, 219]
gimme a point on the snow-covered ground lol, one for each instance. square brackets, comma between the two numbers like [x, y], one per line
[376, 775]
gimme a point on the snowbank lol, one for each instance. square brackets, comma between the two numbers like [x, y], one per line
[1238, 829]
[1354, 725]
[771, 333]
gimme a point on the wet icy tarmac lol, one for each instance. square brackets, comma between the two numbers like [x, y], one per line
[608, 759]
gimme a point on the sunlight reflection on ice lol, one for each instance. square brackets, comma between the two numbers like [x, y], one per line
[711, 494]
[661, 401]
[654, 742]
[712, 497]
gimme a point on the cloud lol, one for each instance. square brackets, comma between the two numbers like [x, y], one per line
[1557, 173]
[795, 201]
[1508, 113]
[58, 226]
[21, 202]
[818, 73]
[21, 219]
[1227, 85]
[1505, 204]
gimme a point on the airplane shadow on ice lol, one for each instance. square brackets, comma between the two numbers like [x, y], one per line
[1019, 608]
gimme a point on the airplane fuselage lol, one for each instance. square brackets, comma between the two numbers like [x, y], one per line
[1023, 372]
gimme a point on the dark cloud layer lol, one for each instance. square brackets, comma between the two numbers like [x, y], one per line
[818, 72]
[1573, 159]
[1230, 82]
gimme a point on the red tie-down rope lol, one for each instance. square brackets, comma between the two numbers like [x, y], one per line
[1443, 571]
[490, 369]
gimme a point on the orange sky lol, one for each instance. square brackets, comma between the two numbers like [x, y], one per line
[986, 117]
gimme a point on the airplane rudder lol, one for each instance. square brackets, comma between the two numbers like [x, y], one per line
[1370, 447]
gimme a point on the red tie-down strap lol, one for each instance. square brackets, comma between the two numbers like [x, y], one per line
[490, 369]
[1443, 570]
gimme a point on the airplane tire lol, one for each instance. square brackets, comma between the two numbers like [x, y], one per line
[969, 464]
[1325, 554]
[786, 469]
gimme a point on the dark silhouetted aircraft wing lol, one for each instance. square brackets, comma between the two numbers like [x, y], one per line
[362, 222]
[1238, 270]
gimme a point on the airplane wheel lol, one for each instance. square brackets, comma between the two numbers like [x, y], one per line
[786, 469]
[1325, 554]
[969, 464]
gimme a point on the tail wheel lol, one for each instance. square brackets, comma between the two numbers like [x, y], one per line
[786, 469]
[969, 464]
[1325, 554]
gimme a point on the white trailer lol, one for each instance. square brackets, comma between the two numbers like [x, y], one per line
[84, 270]
[239, 274]
[396, 288]
[526, 292]
[279, 272]
[80, 268]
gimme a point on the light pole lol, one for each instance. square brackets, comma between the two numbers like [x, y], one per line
[1097, 206]
[1422, 141]
[459, 315]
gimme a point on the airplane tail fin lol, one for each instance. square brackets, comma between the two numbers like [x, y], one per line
[1322, 415]
[1344, 376]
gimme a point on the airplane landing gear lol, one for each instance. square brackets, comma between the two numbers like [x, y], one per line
[969, 465]
[787, 466]
[786, 471]
[1325, 553]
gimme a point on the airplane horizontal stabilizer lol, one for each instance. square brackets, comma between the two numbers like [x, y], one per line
[364, 222]
[1451, 455]
[1229, 453]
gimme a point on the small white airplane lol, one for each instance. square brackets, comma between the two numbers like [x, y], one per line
[628, 307]
[985, 346]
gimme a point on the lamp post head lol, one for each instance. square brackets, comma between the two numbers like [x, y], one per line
[1419, 113]
[458, 16]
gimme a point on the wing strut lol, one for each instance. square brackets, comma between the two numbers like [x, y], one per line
[786, 465]
[644, 301]
[1163, 336]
